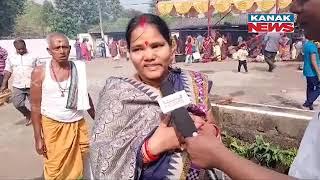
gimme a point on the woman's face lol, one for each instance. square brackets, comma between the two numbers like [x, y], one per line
[150, 53]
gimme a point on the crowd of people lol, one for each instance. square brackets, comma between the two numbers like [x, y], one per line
[114, 49]
[84, 50]
[264, 47]
[218, 47]
[131, 137]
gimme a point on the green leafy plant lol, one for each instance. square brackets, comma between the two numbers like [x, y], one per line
[262, 152]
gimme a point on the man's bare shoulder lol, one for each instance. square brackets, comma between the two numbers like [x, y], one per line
[38, 72]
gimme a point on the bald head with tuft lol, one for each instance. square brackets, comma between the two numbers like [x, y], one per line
[58, 47]
[54, 36]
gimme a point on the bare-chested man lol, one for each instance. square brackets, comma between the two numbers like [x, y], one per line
[59, 99]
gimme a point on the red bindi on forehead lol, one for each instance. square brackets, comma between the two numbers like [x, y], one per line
[146, 43]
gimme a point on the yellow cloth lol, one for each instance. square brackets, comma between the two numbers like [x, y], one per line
[67, 144]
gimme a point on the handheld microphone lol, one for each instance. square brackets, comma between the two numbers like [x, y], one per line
[180, 116]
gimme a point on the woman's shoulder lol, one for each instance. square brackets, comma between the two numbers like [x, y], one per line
[117, 85]
[115, 80]
[197, 78]
[193, 74]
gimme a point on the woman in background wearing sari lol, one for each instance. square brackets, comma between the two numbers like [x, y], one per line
[86, 54]
[207, 49]
[255, 45]
[123, 49]
[131, 138]
[114, 49]
[285, 53]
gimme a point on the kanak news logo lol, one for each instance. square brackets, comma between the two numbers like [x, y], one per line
[261, 23]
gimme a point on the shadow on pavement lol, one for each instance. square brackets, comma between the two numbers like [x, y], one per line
[263, 69]
[237, 93]
[207, 71]
[21, 122]
[287, 102]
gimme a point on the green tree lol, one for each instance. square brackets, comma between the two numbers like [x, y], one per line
[9, 10]
[111, 9]
[47, 15]
[73, 16]
[130, 13]
[88, 14]
[66, 18]
[29, 24]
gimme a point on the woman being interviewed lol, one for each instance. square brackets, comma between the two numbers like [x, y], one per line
[131, 139]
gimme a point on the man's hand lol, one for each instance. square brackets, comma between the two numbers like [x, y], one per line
[41, 147]
[205, 148]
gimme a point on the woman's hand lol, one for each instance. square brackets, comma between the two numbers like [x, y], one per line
[165, 138]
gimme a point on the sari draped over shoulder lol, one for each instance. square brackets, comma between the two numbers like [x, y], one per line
[128, 114]
[207, 50]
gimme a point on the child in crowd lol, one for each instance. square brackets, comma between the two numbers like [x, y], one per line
[242, 56]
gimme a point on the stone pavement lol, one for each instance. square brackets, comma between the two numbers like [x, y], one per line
[284, 87]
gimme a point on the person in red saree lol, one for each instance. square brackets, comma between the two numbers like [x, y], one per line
[284, 48]
[85, 51]
[123, 48]
[207, 49]
[114, 49]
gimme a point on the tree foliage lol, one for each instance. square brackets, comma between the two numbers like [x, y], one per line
[9, 10]
[73, 16]
[130, 13]
[47, 15]
[66, 18]
[111, 9]
[29, 24]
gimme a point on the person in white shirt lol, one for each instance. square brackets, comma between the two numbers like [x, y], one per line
[19, 66]
[242, 56]
[59, 98]
[216, 52]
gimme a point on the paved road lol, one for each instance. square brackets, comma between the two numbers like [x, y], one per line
[285, 87]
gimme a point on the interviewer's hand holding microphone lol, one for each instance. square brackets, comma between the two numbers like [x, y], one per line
[205, 147]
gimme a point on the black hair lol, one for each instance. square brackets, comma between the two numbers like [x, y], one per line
[151, 19]
[189, 39]
[19, 41]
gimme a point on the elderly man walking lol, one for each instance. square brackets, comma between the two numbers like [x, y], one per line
[59, 98]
